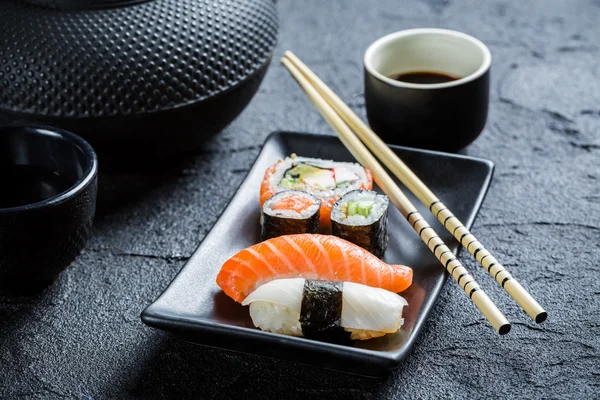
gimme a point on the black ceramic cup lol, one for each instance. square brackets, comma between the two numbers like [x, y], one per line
[48, 185]
[440, 116]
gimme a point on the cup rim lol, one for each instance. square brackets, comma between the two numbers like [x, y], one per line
[89, 172]
[376, 46]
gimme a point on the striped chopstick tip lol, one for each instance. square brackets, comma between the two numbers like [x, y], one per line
[541, 317]
[504, 329]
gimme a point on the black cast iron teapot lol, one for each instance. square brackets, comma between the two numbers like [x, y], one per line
[149, 77]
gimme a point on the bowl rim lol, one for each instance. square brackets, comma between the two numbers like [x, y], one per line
[376, 47]
[89, 173]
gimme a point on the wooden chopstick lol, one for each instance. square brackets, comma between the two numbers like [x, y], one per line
[424, 194]
[389, 187]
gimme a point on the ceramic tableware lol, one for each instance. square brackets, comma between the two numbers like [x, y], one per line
[48, 184]
[441, 116]
[195, 308]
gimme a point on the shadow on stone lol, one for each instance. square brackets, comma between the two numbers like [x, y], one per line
[204, 370]
[122, 185]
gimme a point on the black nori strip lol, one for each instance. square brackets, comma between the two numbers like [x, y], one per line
[373, 237]
[274, 225]
[321, 311]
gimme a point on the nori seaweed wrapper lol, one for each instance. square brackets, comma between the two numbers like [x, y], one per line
[276, 225]
[372, 237]
[321, 311]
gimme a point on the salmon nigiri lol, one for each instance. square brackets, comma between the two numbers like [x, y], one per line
[311, 256]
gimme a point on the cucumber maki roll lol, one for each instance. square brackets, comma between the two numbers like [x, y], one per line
[290, 212]
[360, 217]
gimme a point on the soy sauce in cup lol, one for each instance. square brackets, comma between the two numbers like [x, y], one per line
[28, 184]
[424, 77]
[427, 88]
[48, 185]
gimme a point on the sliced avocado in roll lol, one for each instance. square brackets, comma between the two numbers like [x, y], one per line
[303, 175]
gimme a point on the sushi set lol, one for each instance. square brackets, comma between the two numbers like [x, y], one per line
[312, 268]
[196, 309]
[325, 198]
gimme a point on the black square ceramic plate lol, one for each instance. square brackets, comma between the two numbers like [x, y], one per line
[194, 307]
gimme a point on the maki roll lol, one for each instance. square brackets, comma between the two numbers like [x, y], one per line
[290, 212]
[325, 179]
[360, 217]
[325, 310]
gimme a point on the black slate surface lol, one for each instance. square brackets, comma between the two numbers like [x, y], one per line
[83, 337]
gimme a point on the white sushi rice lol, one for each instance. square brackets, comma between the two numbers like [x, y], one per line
[380, 206]
[304, 214]
[290, 162]
[276, 318]
[275, 306]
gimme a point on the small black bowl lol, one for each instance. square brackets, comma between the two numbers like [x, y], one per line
[48, 185]
[439, 116]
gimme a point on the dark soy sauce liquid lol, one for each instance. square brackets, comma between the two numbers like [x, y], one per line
[424, 77]
[26, 184]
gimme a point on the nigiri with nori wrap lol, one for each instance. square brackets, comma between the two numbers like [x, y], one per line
[290, 212]
[360, 217]
[324, 310]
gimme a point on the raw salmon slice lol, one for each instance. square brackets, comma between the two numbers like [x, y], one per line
[311, 256]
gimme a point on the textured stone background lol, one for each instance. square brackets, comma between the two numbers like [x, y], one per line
[83, 338]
